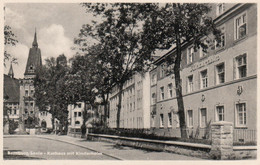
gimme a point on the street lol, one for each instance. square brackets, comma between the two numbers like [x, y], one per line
[52, 147]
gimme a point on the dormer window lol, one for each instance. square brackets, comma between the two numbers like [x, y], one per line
[190, 54]
[31, 68]
[220, 9]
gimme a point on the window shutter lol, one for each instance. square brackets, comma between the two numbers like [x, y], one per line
[215, 75]
[187, 82]
[199, 78]
[234, 69]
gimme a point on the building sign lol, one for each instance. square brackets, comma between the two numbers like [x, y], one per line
[203, 63]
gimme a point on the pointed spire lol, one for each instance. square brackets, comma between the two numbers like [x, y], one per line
[35, 44]
[11, 72]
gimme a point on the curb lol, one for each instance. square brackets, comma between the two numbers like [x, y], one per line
[89, 148]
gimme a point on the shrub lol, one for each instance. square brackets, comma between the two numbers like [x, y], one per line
[143, 133]
[13, 125]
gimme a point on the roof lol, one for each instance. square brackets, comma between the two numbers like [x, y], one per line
[11, 72]
[11, 89]
[173, 48]
[34, 59]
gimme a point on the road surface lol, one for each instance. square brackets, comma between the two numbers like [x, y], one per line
[52, 147]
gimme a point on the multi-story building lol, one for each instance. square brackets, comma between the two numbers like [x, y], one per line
[75, 115]
[29, 113]
[219, 85]
[135, 108]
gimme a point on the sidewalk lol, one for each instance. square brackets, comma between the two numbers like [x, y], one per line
[118, 152]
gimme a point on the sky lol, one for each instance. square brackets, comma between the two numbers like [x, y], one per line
[56, 25]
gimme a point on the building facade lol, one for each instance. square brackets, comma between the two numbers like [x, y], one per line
[30, 115]
[217, 85]
[135, 108]
[75, 115]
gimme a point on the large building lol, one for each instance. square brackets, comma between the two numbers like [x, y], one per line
[29, 113]
[219, 85]
[135, 108]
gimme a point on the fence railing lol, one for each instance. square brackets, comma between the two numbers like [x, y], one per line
[244, 136]
[240, 136]
[75, 130]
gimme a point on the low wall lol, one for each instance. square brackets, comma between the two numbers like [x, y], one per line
[74, 134]
[183, 148]
[244, 152]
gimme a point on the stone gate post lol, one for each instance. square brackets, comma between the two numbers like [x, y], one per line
[222, 140]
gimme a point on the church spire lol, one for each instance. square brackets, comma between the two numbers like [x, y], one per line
[34, 60]
[11, 72]
[35, 44]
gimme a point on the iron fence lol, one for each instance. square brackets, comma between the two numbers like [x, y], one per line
[244, 136]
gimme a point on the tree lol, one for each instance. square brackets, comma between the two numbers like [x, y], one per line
[120, 39]
[50, 89]
[102, 82]
[9, 40]
[80, 83]
[176, 24]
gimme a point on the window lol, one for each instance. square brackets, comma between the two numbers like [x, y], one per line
[220, 73]
[241, 66]
[162, 93]
[79, 105]
[154, 79]
[240, 26]
[75, 114]
[177, 120]
[241, 114]
[220, 9]
[26, 104]
[190, 53]
[190, 83]
[162, 71]
[190, 118]
[204, 79]
[26, 93]
[31, 69]
[153, 98]
[202, 53]
[15, 111]
[170, 119]
[77, 122]
[79, 114]
[31, 104]
[170, 94]
[222, 41]
[220, 113]
[32, 91]
[203, 117]
[161, 120]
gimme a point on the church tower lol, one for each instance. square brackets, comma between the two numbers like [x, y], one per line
[34, 60]
[29, 116]
[11, 72]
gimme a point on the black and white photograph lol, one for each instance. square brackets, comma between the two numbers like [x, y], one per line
[157, 80]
